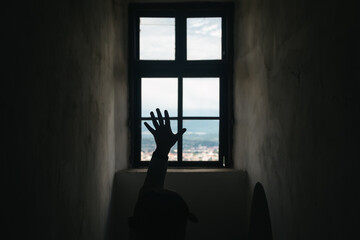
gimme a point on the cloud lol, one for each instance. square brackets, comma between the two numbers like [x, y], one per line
[201, 95]
[203, 38]
[159, 93]
[157, 38]
[196, 133]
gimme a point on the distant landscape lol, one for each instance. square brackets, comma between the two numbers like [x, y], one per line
[200, 141]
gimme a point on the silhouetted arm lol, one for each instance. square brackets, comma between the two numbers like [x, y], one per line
[164, 139]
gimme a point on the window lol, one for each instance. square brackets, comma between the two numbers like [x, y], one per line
[180, 59]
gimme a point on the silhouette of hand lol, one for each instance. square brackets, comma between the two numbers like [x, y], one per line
[162, 133]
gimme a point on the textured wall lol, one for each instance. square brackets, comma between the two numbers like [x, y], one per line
[296, 113]
[296, 110]
[121, 84]
[60, 98]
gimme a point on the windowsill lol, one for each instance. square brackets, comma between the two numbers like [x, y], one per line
[185, 170]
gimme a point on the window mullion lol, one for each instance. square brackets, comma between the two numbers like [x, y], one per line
[180, 39]
[180, 43]
[180, 117]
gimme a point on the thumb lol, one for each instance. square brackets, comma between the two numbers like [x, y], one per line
[179, 134]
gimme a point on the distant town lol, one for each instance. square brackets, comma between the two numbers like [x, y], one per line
[200, 142]
[198, 153]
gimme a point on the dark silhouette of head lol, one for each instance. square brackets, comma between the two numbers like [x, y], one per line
[160, 214]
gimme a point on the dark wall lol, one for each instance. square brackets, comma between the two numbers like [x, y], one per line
[217, 197]
[59, 161]
[297, 113]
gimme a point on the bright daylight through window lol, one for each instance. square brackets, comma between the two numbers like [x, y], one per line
[180, 59]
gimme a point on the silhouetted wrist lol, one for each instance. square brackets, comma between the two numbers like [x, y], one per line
[161, 153]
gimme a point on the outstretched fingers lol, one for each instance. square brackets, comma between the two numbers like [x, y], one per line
[156, 125]
[161, 122]
[167, 119]
[149, 128]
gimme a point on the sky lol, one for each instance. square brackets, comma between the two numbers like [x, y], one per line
[157, 38]
[197, 99]
[157, 42]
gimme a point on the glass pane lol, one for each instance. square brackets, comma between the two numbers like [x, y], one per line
[201, 97]
[148, 143]
[157, 38]
[203, 38]
[159, 93]
[201, 140]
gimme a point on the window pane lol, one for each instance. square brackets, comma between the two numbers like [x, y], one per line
[201, 97]
[201, 140]
[159, 93]
[148, 143]
[157, 38]
[204, 38]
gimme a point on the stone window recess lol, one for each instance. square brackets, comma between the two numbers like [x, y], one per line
[180, 59]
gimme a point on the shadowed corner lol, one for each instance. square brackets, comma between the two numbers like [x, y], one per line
[110, 221]
[260, 224]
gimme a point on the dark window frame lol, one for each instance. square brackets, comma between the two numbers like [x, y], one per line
[182, 68]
